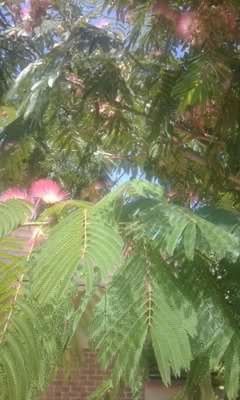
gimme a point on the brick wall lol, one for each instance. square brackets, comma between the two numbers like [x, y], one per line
[82, 382]
[85, 381]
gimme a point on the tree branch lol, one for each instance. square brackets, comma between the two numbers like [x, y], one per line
[193, 156]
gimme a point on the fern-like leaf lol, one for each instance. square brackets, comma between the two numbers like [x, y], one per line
[12, 214]
[176, 229]
[81, 242]
[232, 368]
[141, 304]
[11, 269]
[32, 347]
[171, 227]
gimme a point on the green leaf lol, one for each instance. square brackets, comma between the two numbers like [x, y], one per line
[142, 304]
[232, 369]
[81, 242]
[190, 236]
[32, 347]
[13, 213]
[174, 236]
[171, 227]
[11, 269]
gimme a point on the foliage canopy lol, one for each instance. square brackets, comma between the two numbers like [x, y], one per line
[153, 267]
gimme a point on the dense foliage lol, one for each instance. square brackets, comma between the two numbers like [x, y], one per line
[138, 95]
[150, 270]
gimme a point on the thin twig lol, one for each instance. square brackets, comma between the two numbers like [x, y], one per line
[18, 288]
[36, 223]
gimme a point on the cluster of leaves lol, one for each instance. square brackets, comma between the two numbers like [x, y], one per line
[42, 138]
[160, 268]
[151, 100]
[39, 312]
[86, 101]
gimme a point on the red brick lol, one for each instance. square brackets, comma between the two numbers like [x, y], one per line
[81, 383]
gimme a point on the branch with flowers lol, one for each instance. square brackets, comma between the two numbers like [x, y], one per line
[48, 244]
[40, 194]
[30, 234]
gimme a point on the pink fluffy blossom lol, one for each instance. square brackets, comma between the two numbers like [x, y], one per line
[25, 10]
[47, 190]
[14, 193]
[186, 25]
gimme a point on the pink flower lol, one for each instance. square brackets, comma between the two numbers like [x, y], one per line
[48, 191]
[26, 13]
[26, 10]
[14, 193]
[186, 25]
